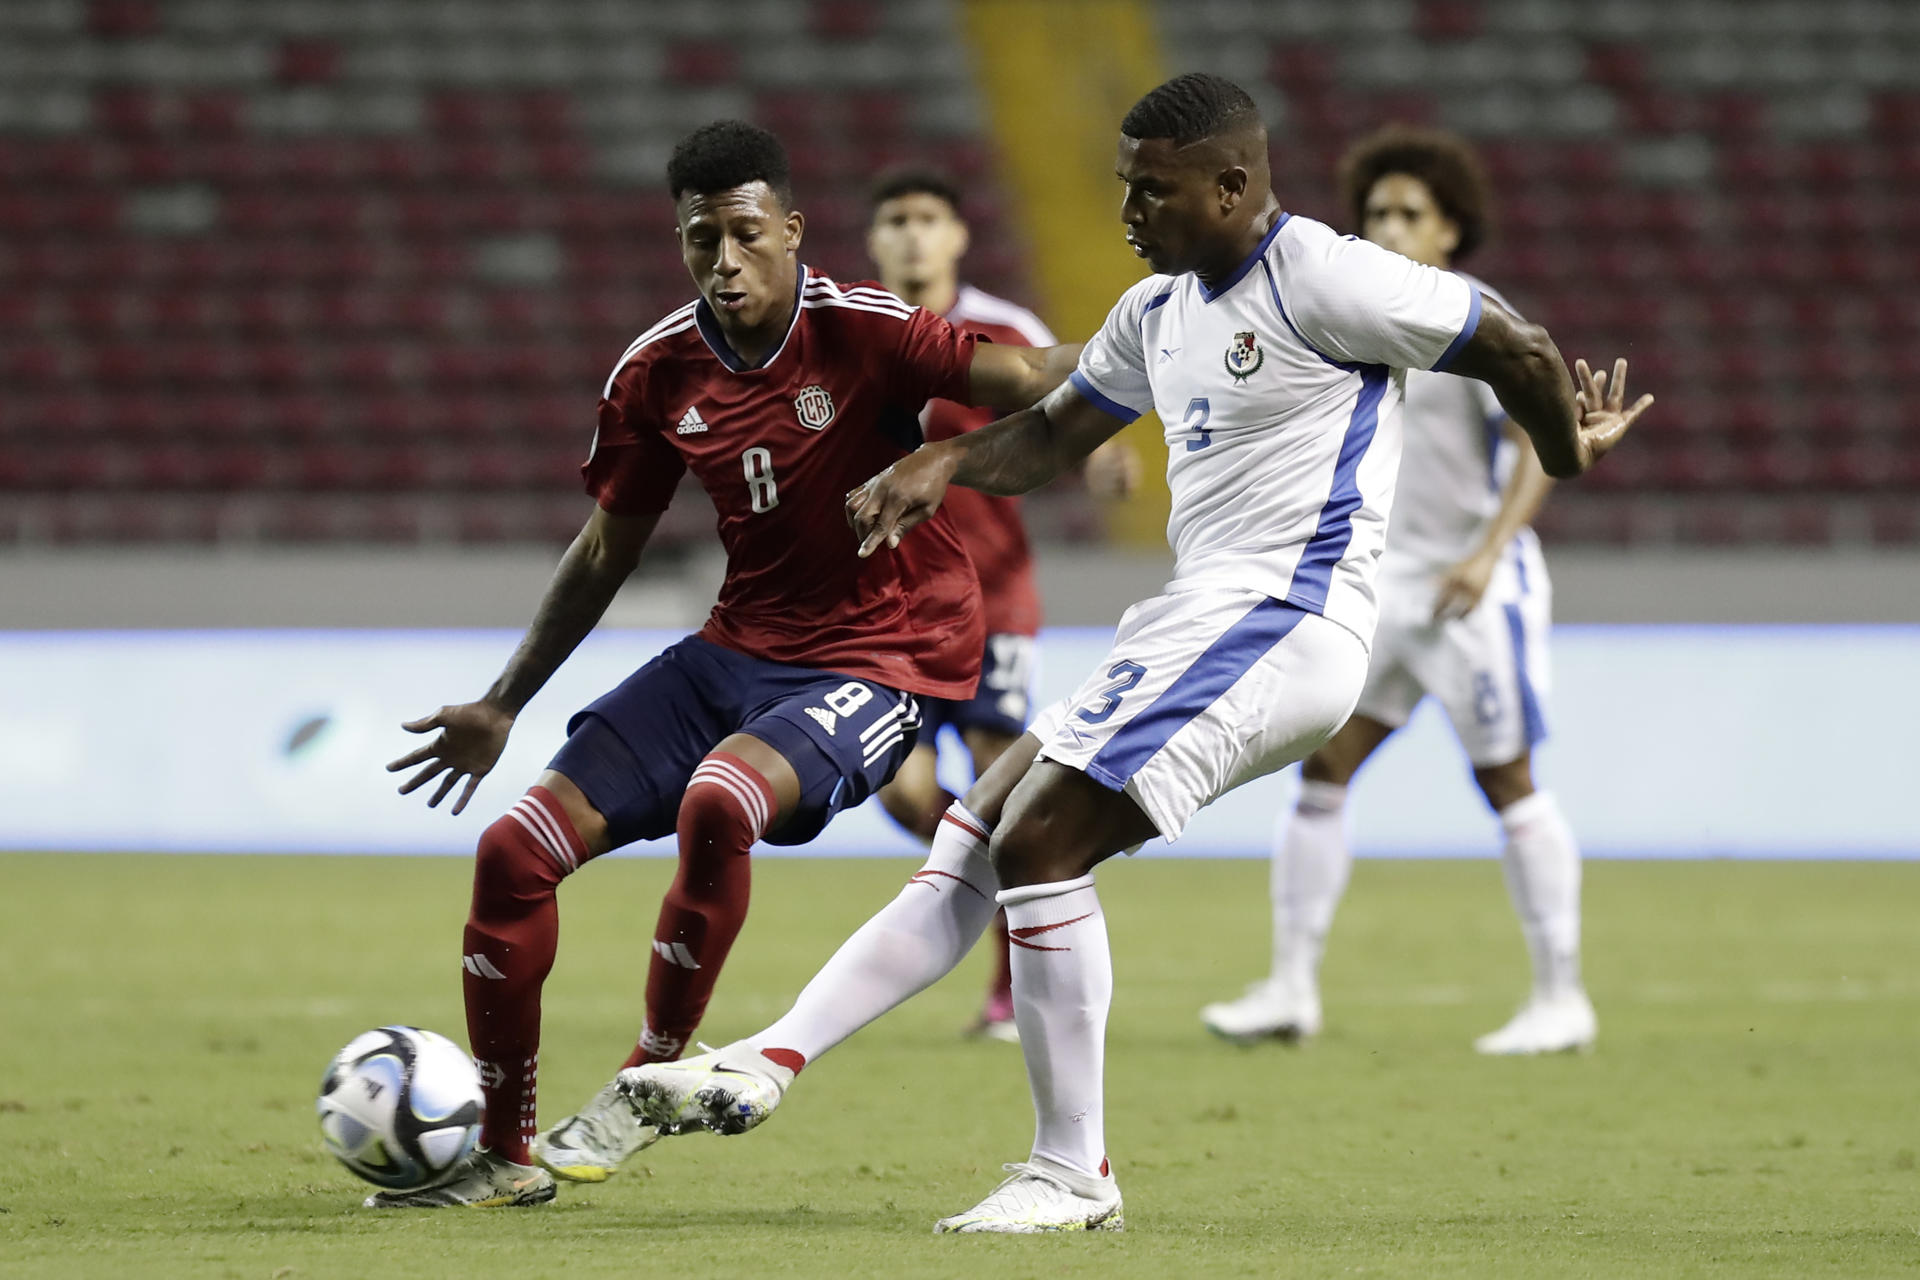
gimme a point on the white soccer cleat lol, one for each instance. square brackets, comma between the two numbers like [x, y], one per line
[729, 1091]
[1270, 1008]
[482, 1181]
[591, 1145]
[1042, 1196]
[1547, 1024]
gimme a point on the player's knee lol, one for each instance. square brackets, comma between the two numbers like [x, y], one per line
[1506, 784]
[513, 865]
[726, 807]
[1023, 852]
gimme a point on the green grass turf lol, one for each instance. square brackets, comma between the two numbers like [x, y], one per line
[1751, 1109]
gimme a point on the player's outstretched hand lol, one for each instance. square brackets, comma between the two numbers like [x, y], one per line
[472, 736]
[1603, 420]
[906, 493]
[1462, 586]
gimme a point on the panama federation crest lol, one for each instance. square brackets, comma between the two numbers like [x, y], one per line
[814, 406]
[1245, 357]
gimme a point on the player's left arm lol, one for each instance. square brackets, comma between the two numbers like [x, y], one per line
[1462, 585]
[1015, 455]
[1571, 426]
[1007, 377]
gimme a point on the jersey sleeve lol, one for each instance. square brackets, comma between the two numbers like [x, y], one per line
[1368, 305]
[631, 468]
[934, 361]
[1112, 374]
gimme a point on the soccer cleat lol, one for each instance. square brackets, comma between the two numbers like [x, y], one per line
[1042, 1196]
[728, 1090]
[1547, 1024]
[996, 1020]
[483, 1181]
[591, 1145]
[1269, 1009]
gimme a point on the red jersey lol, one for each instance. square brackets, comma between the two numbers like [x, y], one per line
[777, 447]
[990, 527]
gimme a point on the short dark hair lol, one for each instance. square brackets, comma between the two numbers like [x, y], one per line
[895, 183]
[728, 154]
[1190, 107]
[1443, 161]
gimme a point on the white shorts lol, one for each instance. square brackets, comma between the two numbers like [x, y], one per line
[1488, 669]
[1204, 690]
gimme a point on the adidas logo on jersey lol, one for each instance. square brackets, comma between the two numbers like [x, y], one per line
[825, 719]
[691, 423]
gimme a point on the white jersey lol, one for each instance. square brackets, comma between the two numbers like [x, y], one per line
[1280, 390]
[1455, 463]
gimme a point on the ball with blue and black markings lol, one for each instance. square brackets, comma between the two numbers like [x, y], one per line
[400, 1107]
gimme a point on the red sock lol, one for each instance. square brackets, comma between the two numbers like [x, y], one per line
[727, 807]
[510, 940]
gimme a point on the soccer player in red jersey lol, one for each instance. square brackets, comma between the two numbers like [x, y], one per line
[780, 390]
[916, 240]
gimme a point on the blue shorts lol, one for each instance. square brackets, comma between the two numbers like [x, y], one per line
[1004, 701]
[633, 750]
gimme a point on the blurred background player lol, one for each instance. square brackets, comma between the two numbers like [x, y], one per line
[917, 238]
[779, 390]
[1465, 606]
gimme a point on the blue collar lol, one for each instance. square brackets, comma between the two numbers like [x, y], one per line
[1239, 273]
[716, 340]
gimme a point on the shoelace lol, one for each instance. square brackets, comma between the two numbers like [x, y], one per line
[1015, 1188]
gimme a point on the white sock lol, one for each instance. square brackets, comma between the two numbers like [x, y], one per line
[1062, 987]
[1311, 862]
[1543, 874]
[913, 942]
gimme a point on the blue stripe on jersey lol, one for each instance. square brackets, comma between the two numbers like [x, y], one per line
[1466, 330]
[1104, 403]
[1520, 565]
[1193, 691]
[1239, 273]
[1313, 576]
[1159, 300]
[1529, 704]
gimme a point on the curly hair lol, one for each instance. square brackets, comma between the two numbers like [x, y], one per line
[1190, 107]
[728, 154]
[1445, 163]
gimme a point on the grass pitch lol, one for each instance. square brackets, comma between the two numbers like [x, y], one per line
[1750, 1111]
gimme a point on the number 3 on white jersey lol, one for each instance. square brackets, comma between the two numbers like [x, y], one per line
[758, 464]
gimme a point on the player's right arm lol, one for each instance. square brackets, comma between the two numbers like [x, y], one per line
[1107, 390]
[473, 734]
[1015, 455]
[631, 471]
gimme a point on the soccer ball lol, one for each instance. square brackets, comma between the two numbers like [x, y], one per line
[400, 1107]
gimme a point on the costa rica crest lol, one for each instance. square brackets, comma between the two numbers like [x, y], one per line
[814, 406]
[1245, 357]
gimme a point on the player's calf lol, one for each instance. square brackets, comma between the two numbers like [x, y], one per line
[729, 804]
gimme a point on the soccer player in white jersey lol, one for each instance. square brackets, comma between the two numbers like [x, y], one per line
[1464, 611]
[1274, 351]
[917, 239]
